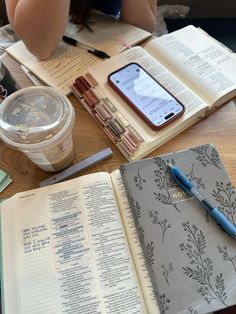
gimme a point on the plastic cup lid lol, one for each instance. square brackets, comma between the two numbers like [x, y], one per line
[34, 114]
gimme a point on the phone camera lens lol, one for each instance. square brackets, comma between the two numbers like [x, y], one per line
[117, 82]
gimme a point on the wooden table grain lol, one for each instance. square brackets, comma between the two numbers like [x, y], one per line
[218, 128]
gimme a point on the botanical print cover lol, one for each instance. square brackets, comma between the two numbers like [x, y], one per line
[191, 260]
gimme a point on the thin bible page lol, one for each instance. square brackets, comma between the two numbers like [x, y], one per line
[202, 63]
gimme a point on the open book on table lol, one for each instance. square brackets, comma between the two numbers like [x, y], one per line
[61, 69]
[83, 246]
[190, 64]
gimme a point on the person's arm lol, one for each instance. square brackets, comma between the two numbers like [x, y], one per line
[39, 23]
[141, 13]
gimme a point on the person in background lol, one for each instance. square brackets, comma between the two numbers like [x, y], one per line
[41, 24]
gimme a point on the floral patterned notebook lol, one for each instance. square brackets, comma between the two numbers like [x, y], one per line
[192, 262]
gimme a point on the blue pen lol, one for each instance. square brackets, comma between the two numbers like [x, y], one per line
[213, 211]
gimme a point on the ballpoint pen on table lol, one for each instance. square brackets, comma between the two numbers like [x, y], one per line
[213, 211]
[30, 76]
[99, 53]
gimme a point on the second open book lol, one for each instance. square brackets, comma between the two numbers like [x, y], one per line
[81, 247]
[193, 66]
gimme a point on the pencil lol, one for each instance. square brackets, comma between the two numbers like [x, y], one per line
[30, 76]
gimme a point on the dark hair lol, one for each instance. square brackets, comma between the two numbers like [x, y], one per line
[79, 11]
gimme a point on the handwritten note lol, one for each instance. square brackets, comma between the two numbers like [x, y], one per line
[35, 238]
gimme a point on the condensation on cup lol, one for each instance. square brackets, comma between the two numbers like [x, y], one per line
[38, 121]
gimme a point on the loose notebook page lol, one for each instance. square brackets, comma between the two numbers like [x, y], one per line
[69, 251]
[203, 64]
[60, 70]
[136, 249]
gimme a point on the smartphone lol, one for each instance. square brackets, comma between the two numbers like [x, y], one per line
[152, 102]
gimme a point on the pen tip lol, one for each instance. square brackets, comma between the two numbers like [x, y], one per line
[170, 165]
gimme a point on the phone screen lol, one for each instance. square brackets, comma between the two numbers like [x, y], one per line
[151, 100]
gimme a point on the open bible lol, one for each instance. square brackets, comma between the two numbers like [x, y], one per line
[84, 246]
[190, 64]
[68, 252]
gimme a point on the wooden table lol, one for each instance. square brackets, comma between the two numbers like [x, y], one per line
[218, 128]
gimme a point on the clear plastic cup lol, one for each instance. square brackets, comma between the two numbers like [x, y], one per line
[38, 121]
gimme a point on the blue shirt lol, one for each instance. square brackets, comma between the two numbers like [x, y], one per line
[111, 7]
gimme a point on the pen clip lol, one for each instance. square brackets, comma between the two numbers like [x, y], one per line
[184, 183]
